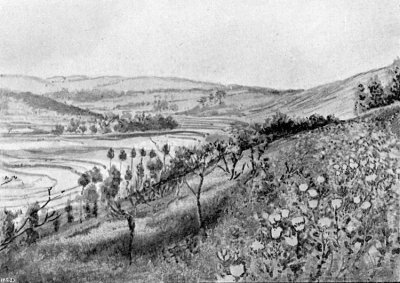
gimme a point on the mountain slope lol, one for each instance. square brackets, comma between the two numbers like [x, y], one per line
[336, 97]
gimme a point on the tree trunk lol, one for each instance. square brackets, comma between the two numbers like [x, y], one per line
[131, 225]
[200, 215]
[81, 204]
[132, 165]
[95, 208]
[110, 163]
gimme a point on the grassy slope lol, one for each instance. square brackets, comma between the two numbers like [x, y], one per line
[333, 98]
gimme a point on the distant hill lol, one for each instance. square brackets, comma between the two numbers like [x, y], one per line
[37, 85]
[116, 93]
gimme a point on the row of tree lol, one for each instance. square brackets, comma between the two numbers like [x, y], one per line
[118, 123]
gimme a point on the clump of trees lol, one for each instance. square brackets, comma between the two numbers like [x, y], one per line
[143, 122]
[162, 104]
[88, 198]
[214, 98]
[374, 94]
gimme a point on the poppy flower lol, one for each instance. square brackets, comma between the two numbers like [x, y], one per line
[313, 193]
[257, 246]
[320, 179]
[336, 203]
[273, 218]
[365, 205]
[237, 270]
[357, 199]
[313, 203]
[276, 232]
[285, 213]
[291, 241]
[303, 187]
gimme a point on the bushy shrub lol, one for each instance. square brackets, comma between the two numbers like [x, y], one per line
[374, 94]
[58, 130]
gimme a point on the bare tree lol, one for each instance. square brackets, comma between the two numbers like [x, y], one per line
[196, 162]
[130, 217]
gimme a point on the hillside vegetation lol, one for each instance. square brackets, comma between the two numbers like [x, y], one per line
[317, 206]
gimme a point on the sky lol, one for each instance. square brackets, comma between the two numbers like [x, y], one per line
[272, 43]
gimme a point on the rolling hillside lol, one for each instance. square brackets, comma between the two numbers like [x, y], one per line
[248, 104]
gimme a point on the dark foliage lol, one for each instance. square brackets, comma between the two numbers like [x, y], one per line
[58, 130]
[374, 94]
[111, 184]
[145, 123]
[281, 125]
[68, 210]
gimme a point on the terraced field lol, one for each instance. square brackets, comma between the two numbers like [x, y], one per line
[58, 162]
